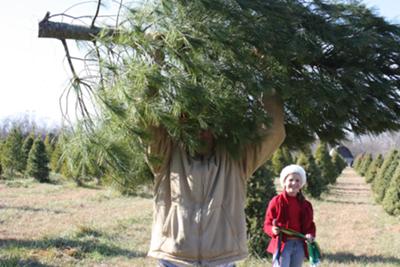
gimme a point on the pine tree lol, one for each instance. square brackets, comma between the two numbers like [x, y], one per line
[287, 155]
[278, 161]
[365, 164]
[55, 160]
[260, 191]
[12, 152]
[170, 61]
[315, 185]
[391, 201]
[49, 144]
[213, 68]
[357, 161]
[385, 173]
[324, 163]
[38, 161]
[1, 156]
[373, 169]
[26, 148]
[338, 162]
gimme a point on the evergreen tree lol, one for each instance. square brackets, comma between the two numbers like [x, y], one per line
[38, 161]
[12, 152]
[55, 160]
[278, 161]
[338, 162]
[334, 64]
[1, 156]
[391, 201]
[26, 148]
[373, 169]
[49, 144]
[260, 191]
[385, 173]
[315, 185]
[324, 163]
[357, 161]
[365, 164]
[287, 155]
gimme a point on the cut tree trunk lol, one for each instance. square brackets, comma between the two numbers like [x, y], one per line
[62, 31]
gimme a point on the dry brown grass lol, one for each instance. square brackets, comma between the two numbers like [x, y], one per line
[56, 225]
[59, 225]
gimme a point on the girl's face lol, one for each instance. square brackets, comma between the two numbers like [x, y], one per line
[292, 184]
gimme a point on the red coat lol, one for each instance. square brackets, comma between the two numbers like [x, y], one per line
[278, 209]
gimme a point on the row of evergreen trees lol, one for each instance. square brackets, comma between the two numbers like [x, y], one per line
[36, 155]
[27, 156]
[321, 168]
[383, 173]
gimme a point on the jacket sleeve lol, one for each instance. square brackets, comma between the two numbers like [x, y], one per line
[159, 148]
[309, 225]
[256, 155]
[270, 215]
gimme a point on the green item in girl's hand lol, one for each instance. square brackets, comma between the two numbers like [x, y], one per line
[314, 253]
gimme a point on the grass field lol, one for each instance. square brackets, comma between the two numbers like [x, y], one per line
[62, 225]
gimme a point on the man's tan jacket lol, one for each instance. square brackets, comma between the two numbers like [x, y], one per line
[199, 217]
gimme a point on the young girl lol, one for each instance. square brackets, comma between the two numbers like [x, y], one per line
[292, 211]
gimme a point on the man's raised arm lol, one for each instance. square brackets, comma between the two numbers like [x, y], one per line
[273, 136]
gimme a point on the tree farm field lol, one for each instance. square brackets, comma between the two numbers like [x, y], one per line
[64, 225]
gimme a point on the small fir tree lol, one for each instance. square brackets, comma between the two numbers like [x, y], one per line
[26, 148]
[324, 163]
[55, 162]
[373, 169]
[338, 162]
[287, 155]
[384, 175]
[365, 164]
[260, 190]
[315, 185]
[357, 161]
[38, 161]
[278, 162]
[1, 154]
[49, 144]
[12, 152]
[391, 201]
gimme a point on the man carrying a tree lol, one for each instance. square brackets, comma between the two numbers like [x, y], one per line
[333, 64]
[199, 201]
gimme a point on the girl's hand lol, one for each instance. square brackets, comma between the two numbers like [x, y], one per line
[275, 230]
[309, 237]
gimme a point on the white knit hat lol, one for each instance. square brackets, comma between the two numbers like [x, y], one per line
[293, 168]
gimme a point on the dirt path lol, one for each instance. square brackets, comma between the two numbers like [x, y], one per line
[352, 229]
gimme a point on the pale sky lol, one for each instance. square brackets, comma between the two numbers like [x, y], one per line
[33, 71]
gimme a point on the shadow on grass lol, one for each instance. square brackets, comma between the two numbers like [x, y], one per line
[146, 195]
[350, 189]
[349, 202]
[26, 208]
[344, 258]
[73, 247]
[15, 261]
